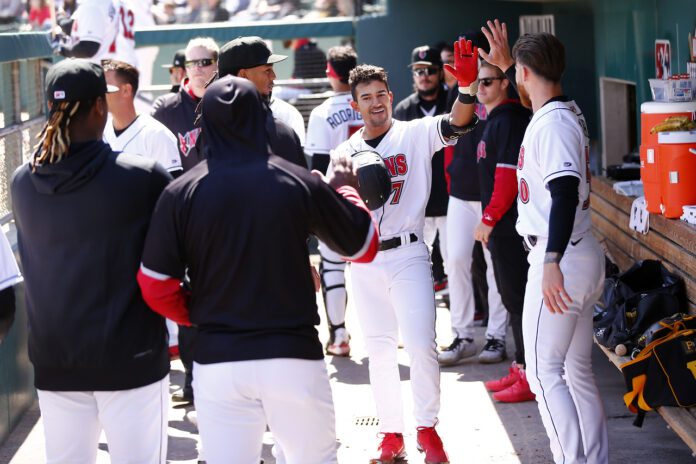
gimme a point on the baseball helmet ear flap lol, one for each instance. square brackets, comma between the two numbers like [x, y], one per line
[374, 182]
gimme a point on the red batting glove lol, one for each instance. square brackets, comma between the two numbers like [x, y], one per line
[465, 67]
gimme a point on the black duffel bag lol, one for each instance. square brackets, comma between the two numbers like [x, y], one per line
[634, 300]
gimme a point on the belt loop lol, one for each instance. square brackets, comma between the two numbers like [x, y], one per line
[405, 239]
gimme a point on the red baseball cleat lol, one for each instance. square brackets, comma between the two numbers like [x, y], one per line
[429, 443]
[391, 449]
[517, 392]
[504, 382]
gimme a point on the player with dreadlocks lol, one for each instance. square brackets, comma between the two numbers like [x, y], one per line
[100, 355]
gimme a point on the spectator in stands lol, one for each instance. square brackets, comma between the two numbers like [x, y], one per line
[165, 12]
[214, 13]
[39, 14]
[268, 9]
[194, 12]
[325, 8]
[10, 12]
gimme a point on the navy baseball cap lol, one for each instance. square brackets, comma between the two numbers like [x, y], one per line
[426, 55]
[245, 53]
[76, 79]
[179, 60]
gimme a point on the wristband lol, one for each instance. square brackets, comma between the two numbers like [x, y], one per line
[552, 257]
[472, 89]
[466, 99]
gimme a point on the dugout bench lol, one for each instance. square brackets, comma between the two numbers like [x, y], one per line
[671, 241]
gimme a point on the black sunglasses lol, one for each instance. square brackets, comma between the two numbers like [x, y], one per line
[426, 71]
[486, 81]
[202, 63]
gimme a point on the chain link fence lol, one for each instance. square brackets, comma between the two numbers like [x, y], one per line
[22, 115]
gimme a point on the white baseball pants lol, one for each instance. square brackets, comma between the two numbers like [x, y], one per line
[433, 225]
[559, 346]
[463, 216]
[395, 292]
[134, 421]
[237, 400]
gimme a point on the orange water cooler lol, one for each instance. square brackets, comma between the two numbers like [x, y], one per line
[651, 114]
[677, 167]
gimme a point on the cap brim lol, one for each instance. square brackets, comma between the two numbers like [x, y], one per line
[111, 88]
[275, 58]
[427, 63]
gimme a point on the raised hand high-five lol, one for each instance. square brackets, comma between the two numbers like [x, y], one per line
[500, 47]
[465, 67]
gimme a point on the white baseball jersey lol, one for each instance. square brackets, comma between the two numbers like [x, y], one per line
[331, 123]
[287, 113]
[146, 137]
[9, 272]
[407, 150]
[109, 23]
[555, 144]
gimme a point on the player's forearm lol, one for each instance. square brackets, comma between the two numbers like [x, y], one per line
[564, 201]
[504, 193]
[371, 244]
[462, 114]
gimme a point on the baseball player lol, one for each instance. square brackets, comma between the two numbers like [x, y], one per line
[9, 276]
[258, 359]
[497, 167]
[395, 292]
[177, 70]
[138, 134]
[330, 124]
[250, 58]
[554, 221]
[99, 354]
[102, 29]
[430, 98]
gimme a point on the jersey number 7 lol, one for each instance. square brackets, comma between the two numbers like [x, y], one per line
[397, 188]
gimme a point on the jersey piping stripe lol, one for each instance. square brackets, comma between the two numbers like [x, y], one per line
[549, 112]
[536, 374]
[562, 170]
[131, 139]
[153, 274]
[439, 130]
[10, 281]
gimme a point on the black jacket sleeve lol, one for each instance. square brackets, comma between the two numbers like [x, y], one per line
[564, 200]
[337, 222]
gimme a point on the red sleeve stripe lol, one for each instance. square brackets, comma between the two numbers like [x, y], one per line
[369, 249]
[164, 296]
[504, 194]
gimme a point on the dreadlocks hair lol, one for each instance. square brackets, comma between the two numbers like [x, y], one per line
[54, 138]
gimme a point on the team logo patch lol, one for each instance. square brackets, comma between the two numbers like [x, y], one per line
[480, 151]
[421, 54]
[188, 141]
[524, 191]
[567, 164]
[520, 158]
[58, 95]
